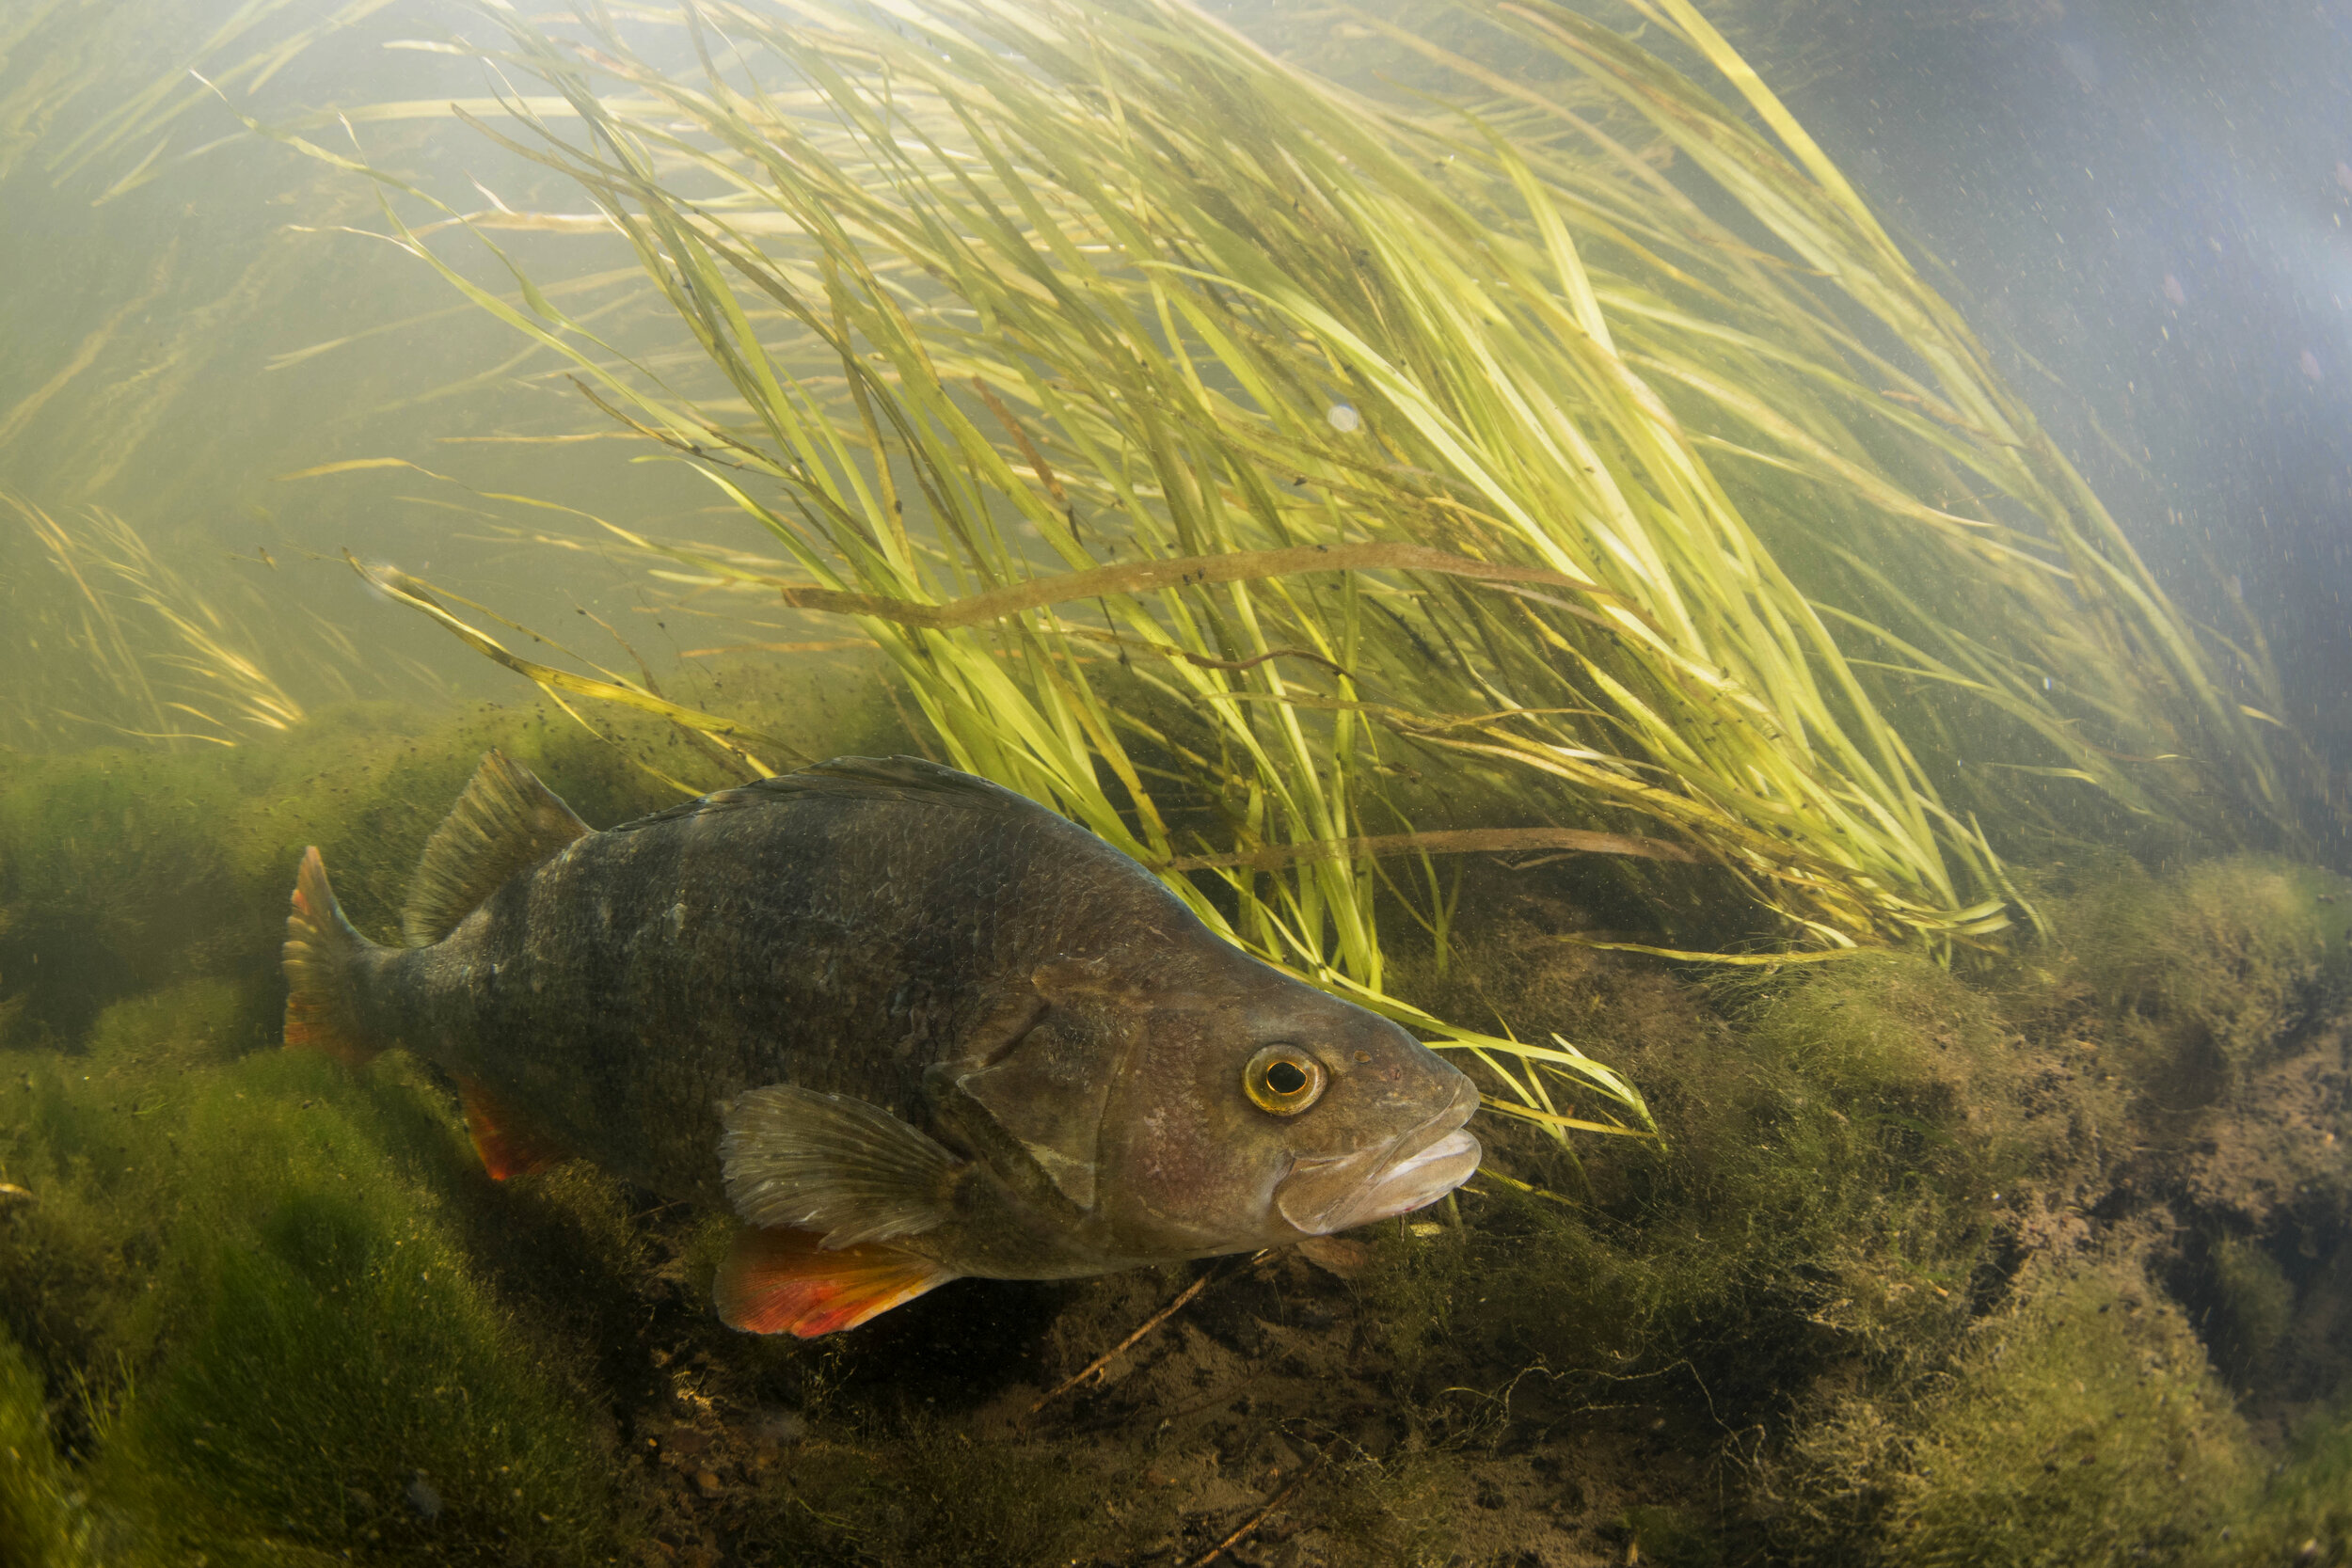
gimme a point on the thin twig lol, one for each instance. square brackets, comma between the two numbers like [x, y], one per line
[1119, 1349]
[1285, 1495]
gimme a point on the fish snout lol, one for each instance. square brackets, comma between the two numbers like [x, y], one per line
[1412, 1171]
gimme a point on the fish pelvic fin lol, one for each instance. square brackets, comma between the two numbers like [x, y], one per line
[783, 1282]
[507, 1145]
[852, 1172]
[322, 957]
[505, 823]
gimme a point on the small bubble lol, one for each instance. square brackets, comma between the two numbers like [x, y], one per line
[1344, 418]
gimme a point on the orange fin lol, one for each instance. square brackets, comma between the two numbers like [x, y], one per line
[505, 1148]
[782, 1282]
[322, 957]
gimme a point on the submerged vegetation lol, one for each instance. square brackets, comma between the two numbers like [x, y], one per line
[110, 606]
[1929, 1267]
[1271, 477]
[1550, 515]
[1382, 444]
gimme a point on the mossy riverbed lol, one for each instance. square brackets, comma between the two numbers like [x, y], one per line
[2035, 1262]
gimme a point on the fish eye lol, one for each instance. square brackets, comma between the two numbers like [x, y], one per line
[1283, 1080]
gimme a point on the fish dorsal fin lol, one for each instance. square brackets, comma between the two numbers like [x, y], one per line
[852, 1172]
[505, 823]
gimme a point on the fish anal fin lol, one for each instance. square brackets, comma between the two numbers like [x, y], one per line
[505, 823]
[786, 1282]
[507, 1145]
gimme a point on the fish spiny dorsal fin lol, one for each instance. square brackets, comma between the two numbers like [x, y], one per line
[505, 823]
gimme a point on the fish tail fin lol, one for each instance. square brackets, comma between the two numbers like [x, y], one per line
[323, 952]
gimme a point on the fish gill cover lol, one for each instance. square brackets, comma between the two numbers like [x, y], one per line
[1675, 522]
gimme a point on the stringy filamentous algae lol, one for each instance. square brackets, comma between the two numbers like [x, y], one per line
[1989, 1266]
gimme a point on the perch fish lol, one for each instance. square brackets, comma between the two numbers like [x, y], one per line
[907, 1025]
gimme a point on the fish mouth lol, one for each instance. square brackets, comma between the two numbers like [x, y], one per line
[1321, 1196]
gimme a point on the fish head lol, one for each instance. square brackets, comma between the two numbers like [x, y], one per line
[1265, 1112]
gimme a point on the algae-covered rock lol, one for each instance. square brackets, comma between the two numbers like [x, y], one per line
[2207, 974]
[2252, 1305]
[275, 1317]
[2305, 1514]
[2088, 1429]
[1834, 1140]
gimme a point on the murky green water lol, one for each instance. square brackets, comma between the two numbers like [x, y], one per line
[2016, 1235]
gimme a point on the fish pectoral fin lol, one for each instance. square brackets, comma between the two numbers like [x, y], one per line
[798, 1160]
[776, 1281]
[507, 1147]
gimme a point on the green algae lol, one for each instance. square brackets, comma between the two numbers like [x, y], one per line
[271, 1311]
[1905, 1248]
[125, 871]
[260, 1302]
[270, 1263]
[43, 1522]
[2205, 975]
[2088, 1430]
[1832, 1148]
[2305, 1515]
[1394, 1512]
[2253, 1304]
[1671, 1537]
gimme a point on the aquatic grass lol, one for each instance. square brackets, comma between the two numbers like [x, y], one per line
[158, 660]
[1072, 350]
[1031, 232]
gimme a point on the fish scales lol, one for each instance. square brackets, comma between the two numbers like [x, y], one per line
[907, 1025]
[647, 974]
